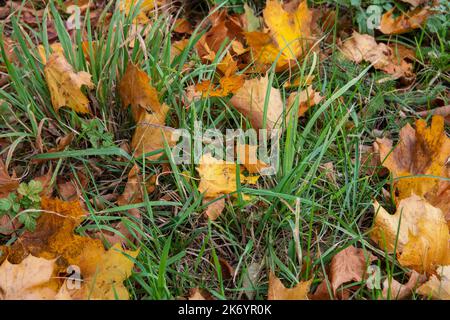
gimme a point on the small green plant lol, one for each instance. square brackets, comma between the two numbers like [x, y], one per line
[27, 197]
[94, 131]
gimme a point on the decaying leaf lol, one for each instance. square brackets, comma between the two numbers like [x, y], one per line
[348, 265]
[7, 183]
[363, 47]
[277, 291]
[438, 286]
[418, 232]
[218, 177]
[65, 84]
[394, 290]
[250, 101]
[288, 36]
[419, 163]
[405, 22]
[214, 209]
[29, 280]
[199, 294]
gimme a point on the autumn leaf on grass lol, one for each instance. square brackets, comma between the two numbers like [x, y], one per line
[150, 134]
[247, 155]
[106, 283]
[277, 291]
[438, 286]
[305, 99]
[65, 84]
[392, 289]
[214, 209]
[363, 47]
[418, 231]
[136, 91]
[250, 101]
[405, 22]
[419, 163]
[54, 48]
[29, 280]
[139, 9]
[227, 85]
[288, 36]
[218, 177]
[348, 265]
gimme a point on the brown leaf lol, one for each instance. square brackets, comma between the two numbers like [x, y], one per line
[277, 291]
[397, 291]
[418, 163]
[363, 47]
[199, 294]
[305, 99]
[348, 265]
[214, 210]
[405, 22]
[250, 101]
[7, 183]
[65, 84]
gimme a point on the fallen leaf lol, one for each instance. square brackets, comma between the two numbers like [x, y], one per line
[277, 291]
[305, 99]
[136, 91]
[133, 192]
[250, 101]
[218, 177]
[348, 265]
[363, 47]
[438, 286]
[199, 294]
[394, 290]
[227, 86]
[247, 155]
[182, 26]
[29, 280]
[418, 163]
[443, 111]
[288, 36]
[214, 209]
[405, 22]
[65, 84]
[7, 183]
[417, 230]
[54, 48]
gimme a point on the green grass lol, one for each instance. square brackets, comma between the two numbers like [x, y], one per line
[179, 249]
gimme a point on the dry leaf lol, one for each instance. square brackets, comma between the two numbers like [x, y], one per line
[227, 85]
[65, 84]
[7, 183]
[363, 47]
[438, 286]
[422, 236]
[214, 210]
[136, 91]
[423, 151]
[305, 99]
[397, 291]
[277, 291]
[405, 22]
[218, 177]
[250, 101]
[199, 294]
[348, 265]
[288, 36]
[54, 48]
[29, 280]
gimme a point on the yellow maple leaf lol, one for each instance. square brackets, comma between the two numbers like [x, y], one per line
[65, 84]
[417, 230]
[218, 177]
[288, 37]
[277, 291]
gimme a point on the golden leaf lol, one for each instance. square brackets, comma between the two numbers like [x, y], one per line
[247, 155]
[417, 230]
[277, 291]
[288, 37]
[65, 84]
[218, 177]
[29, 280]
[405, 22]
[250, 101]
[227, 85]
[423, 151]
